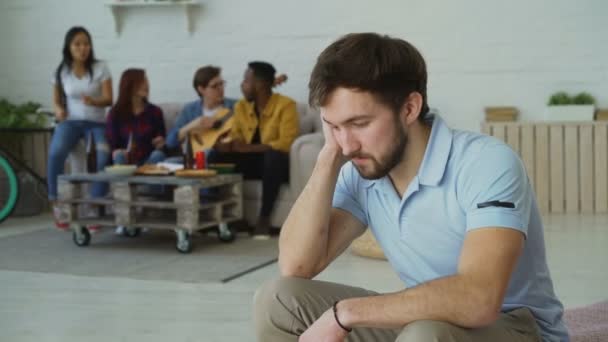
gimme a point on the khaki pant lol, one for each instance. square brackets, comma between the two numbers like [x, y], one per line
[284, 308]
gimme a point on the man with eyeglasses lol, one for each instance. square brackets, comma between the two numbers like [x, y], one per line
[265, 126]
[198, 114]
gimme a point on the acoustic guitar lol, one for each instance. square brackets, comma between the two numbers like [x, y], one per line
[206, 139]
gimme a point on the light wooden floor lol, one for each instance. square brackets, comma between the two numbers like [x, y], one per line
[55, 307]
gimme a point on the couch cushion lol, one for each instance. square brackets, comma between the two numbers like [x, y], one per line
[170, 112]
[306, 123]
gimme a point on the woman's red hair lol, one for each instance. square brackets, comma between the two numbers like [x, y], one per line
[129, 81]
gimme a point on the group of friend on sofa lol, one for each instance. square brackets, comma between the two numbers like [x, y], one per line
[264, 123]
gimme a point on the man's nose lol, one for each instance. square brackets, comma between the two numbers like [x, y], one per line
[348, 143]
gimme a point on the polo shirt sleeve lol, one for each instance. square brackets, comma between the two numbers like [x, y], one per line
[347, 195]
[494, 190]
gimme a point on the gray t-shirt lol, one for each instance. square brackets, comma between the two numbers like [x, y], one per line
[75, 88]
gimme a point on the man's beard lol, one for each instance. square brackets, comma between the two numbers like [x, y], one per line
[381, 168]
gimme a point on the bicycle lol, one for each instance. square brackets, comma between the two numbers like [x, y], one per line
[8, 184]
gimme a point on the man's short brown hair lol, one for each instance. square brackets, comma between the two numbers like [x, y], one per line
[388, 68]
[203, 76]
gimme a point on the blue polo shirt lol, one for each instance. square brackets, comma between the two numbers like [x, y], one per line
[422, 233]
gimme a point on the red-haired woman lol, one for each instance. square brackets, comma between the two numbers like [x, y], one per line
[136, 122]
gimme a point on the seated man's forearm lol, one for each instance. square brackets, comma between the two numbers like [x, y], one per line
[303, 243]
[456, 299]
[183, 132]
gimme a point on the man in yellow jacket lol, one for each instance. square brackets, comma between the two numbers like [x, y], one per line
[265, 126]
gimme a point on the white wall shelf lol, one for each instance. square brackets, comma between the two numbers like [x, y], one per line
[119, 6]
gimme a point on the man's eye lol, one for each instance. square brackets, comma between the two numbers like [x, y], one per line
[360, 123]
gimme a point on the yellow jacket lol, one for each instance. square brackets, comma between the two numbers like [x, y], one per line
[279, 122]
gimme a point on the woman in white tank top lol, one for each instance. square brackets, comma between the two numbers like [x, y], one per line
[82, 89]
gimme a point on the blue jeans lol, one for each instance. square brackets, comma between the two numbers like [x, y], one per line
[156, 156]
[66, 136]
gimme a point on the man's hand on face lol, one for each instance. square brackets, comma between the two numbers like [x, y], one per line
[330, 139]
[324, 329]
[331, 149]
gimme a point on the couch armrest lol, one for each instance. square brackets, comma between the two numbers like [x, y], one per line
[302, 159]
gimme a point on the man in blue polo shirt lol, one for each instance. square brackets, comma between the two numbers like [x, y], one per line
[453, 211]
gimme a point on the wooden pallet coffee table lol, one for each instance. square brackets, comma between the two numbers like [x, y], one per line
[178, 206]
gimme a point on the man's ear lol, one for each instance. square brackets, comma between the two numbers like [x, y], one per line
[200, 90]
[411, 108]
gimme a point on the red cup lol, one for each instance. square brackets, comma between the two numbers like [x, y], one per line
[200, 160]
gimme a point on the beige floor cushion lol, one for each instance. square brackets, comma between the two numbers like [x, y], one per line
[367, 246]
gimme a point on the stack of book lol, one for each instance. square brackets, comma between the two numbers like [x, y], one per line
[501, 114]
[601, 114]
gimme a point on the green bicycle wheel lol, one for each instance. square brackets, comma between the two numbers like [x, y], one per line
[9, 182]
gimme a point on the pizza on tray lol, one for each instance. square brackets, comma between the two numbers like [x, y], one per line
[152, 170]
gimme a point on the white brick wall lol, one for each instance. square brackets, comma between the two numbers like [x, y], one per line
[478, 52]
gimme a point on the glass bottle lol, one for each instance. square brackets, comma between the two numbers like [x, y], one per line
[91, 154]
[188, 154]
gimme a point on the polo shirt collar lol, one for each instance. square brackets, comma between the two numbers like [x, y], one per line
[434, 162]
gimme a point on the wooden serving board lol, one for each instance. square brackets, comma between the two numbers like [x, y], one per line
[152, 170]
[195, 173]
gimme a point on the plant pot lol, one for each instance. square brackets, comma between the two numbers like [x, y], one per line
[570, 113]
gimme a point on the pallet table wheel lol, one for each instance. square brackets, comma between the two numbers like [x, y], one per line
[225, 234]
[184, 242]
[81, 236]
[131, 231]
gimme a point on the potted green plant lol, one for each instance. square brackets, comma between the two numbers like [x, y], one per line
[563, 107]
[21, 116]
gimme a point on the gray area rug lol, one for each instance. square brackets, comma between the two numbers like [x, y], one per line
[151, 256]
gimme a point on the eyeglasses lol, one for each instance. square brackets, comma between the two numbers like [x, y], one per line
[217, 85]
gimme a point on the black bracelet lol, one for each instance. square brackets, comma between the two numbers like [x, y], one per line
[337, 320]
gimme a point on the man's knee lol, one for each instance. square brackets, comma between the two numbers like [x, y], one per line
[427, 330]
[272, 304]
[270, 295]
